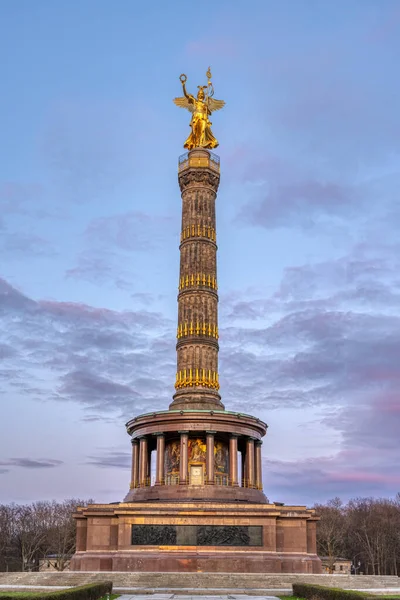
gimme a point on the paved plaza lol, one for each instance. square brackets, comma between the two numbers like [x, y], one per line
[196, 597]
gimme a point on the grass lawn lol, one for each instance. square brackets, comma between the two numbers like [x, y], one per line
[42, 594]
[368, 593]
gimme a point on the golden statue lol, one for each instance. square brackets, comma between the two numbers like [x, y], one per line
[200, 107]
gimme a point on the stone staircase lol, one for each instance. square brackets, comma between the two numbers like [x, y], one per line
[197, 583]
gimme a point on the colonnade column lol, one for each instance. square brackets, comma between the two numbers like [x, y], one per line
[250, 462]
[143, 461]
[210, 457]
[160, 459]
[233, 459]
[258, 465]
[135, 464]
[183, 463]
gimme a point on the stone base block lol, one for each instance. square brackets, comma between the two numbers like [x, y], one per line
[211, 561]
[193, 536]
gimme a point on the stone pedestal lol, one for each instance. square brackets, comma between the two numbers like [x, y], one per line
[211, 537]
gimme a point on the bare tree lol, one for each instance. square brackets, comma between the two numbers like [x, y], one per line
[331, 531]
[61, 536]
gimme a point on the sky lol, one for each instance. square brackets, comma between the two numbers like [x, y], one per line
[308, 219]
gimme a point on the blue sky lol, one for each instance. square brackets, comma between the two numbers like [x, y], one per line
[307, 217]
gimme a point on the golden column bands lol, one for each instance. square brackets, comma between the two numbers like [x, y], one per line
[197, 381]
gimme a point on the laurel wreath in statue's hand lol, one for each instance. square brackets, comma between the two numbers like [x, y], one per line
[183, 78]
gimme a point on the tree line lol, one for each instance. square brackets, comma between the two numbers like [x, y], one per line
[365, 530]
[41, 530]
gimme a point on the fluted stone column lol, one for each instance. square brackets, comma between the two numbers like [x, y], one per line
[160, 458]
[258, 465]
[233, 460]
[135, 464]
[250, 462]
[197, 347]
[143, 461]
[210, 477]
[183, 463]
[244, 467]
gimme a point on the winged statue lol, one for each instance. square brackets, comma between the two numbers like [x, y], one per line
[201, 108]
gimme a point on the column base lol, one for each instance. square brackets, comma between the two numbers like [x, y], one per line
[196, 399]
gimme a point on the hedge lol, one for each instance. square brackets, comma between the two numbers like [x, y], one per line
[90, 591]
[320, 592]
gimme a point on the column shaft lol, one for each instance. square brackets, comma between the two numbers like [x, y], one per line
[135, 464]
[250, 462]
[233, 460]
[258, 465]
[160, 459]
[143, 462]
[210, 457]
[183, 464]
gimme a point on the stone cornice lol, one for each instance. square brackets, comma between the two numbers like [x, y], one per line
[198, 177]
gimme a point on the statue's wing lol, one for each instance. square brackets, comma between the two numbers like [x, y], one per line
[183, 102]
[215, 104]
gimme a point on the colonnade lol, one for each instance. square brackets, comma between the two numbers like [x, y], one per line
[251, 471]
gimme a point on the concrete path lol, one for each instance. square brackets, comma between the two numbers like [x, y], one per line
[197, 597]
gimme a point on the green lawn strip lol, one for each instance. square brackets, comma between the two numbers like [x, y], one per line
[390, 597]
[90, 591]
[311, 591]
[42, 593]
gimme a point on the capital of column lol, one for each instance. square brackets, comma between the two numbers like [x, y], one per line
[159, 433]
[134, 441]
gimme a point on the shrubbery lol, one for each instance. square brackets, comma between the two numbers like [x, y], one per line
[90, 591]
[320, 592]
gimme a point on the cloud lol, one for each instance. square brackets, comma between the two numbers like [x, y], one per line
[17, 244]
[301, 203]
[102, 359]
[29, 463]
[20, 198]
[103, 269]
[111, 458]
[131, 231]
[100, 393]
[326, 340]
[109, 242]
